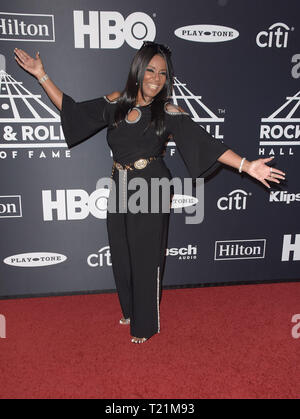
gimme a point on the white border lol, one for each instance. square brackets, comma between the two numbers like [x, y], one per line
[20, 204]
[235, 241]
[30, 40]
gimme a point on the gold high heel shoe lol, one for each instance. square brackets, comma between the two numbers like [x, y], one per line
[124, 321]
[138, 340]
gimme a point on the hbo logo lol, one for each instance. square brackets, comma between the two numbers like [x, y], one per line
[111, 30]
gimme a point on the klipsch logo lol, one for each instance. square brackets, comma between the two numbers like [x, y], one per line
[26, 27]
[111, 30]
[280, 131]
[206, 33]
[290, 248]
[35, 259]
[240, 249]
[284, 196]
[276, 36]
[10, 206]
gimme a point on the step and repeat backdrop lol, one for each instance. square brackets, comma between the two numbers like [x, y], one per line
[237, 66]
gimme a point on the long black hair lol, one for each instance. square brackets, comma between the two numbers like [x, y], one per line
[135, 79]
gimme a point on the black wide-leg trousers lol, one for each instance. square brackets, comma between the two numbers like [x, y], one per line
[138, 244]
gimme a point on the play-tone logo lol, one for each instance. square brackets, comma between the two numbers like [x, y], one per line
[181, 201]
[109, 30]
[26, 27]
[276, 36]
[206, 33]
[35, 259]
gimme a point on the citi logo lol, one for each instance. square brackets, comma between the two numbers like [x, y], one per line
[183, 253]
[240, 249]
[110, 30]
[35, 259]
[100, 259]
[10, 206]
[276, 35]
[206, 33]
[26, 27]
[284, 196]
[290, 248]
[235, 200]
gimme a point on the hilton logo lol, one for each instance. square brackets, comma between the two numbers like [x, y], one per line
[10, 206]
[240, 249]
[26, 27]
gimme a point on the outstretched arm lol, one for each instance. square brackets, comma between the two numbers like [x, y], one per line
[256, 168]
[35, 67]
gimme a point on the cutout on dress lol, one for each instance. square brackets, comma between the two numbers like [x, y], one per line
[133, 116]
[172, 109]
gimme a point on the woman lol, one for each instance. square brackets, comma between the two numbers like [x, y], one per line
[140, 121]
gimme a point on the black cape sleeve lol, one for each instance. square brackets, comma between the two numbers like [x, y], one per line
[198, 149]
[81, 120]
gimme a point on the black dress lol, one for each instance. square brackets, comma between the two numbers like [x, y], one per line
[138, 240]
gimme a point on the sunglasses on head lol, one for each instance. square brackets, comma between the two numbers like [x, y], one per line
[161, 47]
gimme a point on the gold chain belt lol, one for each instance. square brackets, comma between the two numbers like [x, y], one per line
[138, 164]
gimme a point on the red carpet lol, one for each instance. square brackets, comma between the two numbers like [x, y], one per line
[223, 342]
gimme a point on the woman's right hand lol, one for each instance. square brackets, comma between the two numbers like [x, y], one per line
[34, 66]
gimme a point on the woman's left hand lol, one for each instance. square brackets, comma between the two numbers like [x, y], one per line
[262, 172]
